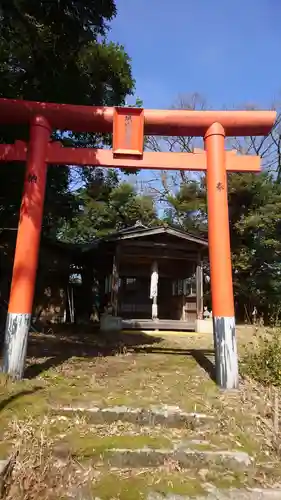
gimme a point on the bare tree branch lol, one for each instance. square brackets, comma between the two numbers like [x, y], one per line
[267, 147]
[166, 182]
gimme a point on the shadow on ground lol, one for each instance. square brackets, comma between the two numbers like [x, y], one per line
[6, 402]
[201, 356]
[58, 347]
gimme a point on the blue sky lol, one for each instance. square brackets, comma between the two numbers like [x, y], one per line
[227, 50]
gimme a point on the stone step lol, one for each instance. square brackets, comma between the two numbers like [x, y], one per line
[173, 488]
[185, 458]
[216, 494]
[233, 494]
[146, 457]
[168, 416]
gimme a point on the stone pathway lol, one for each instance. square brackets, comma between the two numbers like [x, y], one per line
[193, 455]
[186, 453]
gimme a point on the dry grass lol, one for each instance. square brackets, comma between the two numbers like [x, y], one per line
[136, 371]
[34, 475]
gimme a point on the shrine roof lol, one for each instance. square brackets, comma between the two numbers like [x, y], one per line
[140, 231]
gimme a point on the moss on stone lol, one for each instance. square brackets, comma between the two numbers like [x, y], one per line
[87, 446]
[138, 487]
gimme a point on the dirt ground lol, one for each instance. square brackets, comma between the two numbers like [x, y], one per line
[57, 453]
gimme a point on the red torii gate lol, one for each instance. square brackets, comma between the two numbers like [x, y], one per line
[128, 126]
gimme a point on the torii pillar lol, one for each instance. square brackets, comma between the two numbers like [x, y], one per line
[220, 260]
[27, 250]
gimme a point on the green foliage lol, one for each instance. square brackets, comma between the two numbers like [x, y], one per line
[107, 205]
[262, 360]
[187, 207]
[57, 52]
[255, 217]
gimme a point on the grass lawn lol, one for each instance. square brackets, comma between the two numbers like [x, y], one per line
[59, 455]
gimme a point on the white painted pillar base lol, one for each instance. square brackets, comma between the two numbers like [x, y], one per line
[155, 311]
[226, 352]
[15, 345]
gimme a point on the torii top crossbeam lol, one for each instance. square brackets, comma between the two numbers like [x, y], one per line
[156, 122]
